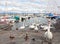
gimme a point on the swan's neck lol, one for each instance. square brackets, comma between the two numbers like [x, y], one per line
[36, 26]
[23, 23]
[49, 28]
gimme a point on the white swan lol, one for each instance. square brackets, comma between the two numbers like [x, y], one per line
[32, 26]
[37, 24]
[48, 34]
[36, 28]
[44, 27]
[22, 27]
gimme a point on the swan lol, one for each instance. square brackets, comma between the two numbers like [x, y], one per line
[48, 34]
[44, 27]
[36, 28]
[22, 27]
[37, 24]
[32, 26]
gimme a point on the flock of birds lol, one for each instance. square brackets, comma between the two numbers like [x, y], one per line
[47, 35]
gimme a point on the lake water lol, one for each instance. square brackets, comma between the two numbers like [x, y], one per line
[39, 20]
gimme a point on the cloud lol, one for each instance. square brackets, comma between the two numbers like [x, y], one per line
[28, 5]
[22, 6]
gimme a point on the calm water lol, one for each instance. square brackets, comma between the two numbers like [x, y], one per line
[29, 22]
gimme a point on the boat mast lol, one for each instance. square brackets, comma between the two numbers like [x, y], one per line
[6, 7]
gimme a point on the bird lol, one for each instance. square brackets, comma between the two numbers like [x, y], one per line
[16, 28]
[11, 37]
[32, 26]
[48, 34]
[22, 27]
[33, 39]
[26, 37]
[36, 28]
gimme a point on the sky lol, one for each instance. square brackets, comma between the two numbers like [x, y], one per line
[29, 6]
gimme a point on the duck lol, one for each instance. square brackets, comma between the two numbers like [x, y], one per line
[11, 37]
[16, 28]
[26, 37]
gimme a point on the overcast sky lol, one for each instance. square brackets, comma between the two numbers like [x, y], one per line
[30, 6]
